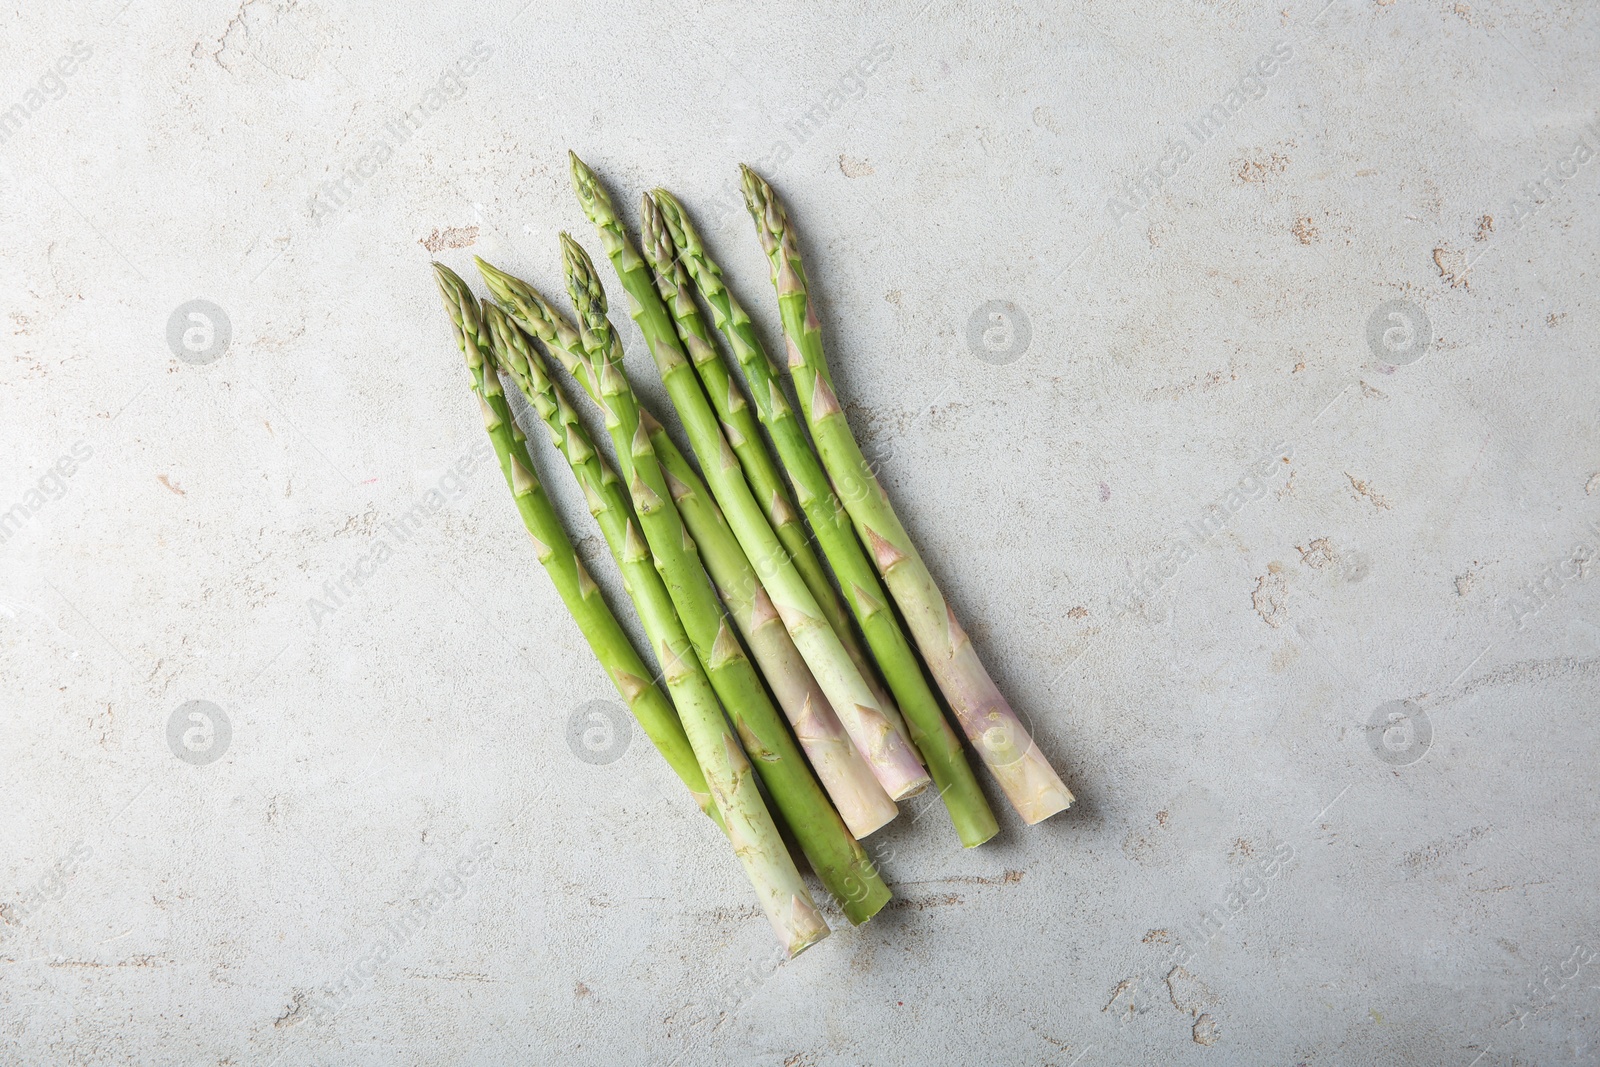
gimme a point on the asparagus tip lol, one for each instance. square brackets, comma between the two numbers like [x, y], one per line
[653, 235]
[672, 212]
[596, 203]
[492, 335]
[583, 285]
[577, 261]
[572, 254]
[757, 200]
[498, 281]
[449, 282]
[462, 308]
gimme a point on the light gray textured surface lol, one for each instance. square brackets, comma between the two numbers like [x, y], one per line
[1424, 548]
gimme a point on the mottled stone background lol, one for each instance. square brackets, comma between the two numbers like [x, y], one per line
[1234, 367]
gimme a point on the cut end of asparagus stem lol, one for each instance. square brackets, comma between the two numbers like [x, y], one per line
[1032, 785]
[804, 925]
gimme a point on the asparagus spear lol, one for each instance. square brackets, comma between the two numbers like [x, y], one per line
[930, 731]
[846, 775]
[1029, 781]
[861, 802]
[743, 434]
[577, 590]
[892, 758]
[838, 858]
[756, 842]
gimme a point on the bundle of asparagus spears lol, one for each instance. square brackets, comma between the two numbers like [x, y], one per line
[774, 710]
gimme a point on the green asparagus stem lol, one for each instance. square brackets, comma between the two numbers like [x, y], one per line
[930, 731]
[755, 838]
[845, 774]
[743, 434]
[861, 801]
[856, 794]
[837, 857]
[1029, 781]
[891, 757]
[577, 590]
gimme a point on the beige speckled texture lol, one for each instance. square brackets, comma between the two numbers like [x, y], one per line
[1128, 300]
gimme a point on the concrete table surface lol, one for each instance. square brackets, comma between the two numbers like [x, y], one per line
[1234, 367]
